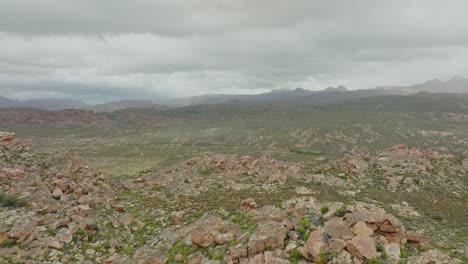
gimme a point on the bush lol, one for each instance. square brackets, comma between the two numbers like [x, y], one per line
[295, 254]
[324, 210]
[340, 212]
[11, 201]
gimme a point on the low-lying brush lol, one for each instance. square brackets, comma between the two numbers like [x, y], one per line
[7, 200]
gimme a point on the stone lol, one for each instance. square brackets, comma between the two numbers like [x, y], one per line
[271, 258]
[288, 224]
[248, 205]
[337, 228]
[336, 245]
[393, 251]
[86, 200]
[204, 235]
[303, 190]
[238, 252]
[54, 244]
[362, 247]
[432, 256]
[416, 240]
[223, 239]
[195, 258]
[57, 193]
[361, 229]
[314, 245]
[332, 208]
[3, 236]
[290, 246]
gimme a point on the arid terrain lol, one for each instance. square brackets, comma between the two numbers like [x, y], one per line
[369, 180]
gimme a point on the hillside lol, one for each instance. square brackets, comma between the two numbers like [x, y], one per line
[124, 104]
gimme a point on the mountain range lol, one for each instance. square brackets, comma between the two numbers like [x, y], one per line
[298, 95]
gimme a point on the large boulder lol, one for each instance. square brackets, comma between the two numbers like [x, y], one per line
[337, 228]
[7, 138]
[314, 245]
[270, 235]
[204, 236]
[362, 247]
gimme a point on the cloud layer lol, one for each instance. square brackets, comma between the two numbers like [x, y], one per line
[110, 49]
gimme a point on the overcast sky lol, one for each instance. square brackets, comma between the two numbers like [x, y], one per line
[101, 50]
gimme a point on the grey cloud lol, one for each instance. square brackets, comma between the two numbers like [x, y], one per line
[162, 49]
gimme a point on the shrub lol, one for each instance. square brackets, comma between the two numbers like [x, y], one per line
[295, 254]
[403, 252]
[11, 201]
[324, 210]
[340, 212]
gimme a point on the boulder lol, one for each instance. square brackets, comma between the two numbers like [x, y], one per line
[416, 240]
[314, 245]
[361, 229]
[57, 193]
[432, 257]
[270, 235]
[393, 252]
[248, 205]
[362, 247]
[223, 239]
[204, 235]
[54, 244]
[238, 252]
[336, 245]
[7, 138]
[337, 228]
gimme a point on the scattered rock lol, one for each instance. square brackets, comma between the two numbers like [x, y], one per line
[248, 205]
[362, 247]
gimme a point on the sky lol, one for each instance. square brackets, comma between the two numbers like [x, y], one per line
[106, 50]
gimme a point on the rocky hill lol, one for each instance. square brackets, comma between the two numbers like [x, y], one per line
[221, 209]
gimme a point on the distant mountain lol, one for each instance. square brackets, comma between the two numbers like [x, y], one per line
[453, 85]
[280, 95]
[7, 103]
[54, 104]
[340, 88]
[125, 104]
[43, 104]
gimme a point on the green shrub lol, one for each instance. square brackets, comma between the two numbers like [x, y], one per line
[7, 200]
[374, 261]
[403, 252]
[324, 210]
[295, 254]
[340, 212]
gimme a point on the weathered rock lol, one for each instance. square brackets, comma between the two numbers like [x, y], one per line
[196, 258]
[248, 205]
[393, 252]
[238, 252]
[223, 239]
[54, 244]
[416, 240]
[57, 193]
[314, 245]
[86, 200]
[432, 257]
[337, 228]
[204, 235]
[361, 229]
[362, 247]
[269, 235]
[7, 138]
[336, 245]
[3, 236]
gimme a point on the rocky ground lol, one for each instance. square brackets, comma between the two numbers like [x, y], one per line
[230, 209]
